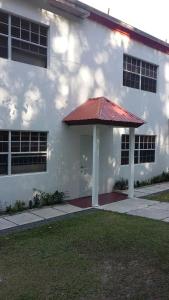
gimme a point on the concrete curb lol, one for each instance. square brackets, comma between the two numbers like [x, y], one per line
[45, 221]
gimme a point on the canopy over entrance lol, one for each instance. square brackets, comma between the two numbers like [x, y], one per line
[102, 111]
[97, 111]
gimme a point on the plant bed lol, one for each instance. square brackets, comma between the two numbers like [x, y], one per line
[122, 184]
[40, 199]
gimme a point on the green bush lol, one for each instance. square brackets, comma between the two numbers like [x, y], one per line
[50, 198]
[141, 183]
[58, 197]
[36, 201]
[40, 199]
[9, 209]
[18, 206]
[122, 184]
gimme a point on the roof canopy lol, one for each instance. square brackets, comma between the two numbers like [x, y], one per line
[102, 111]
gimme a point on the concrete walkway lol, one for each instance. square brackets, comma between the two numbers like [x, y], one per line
[150, 189]
[141, 207]
[36, 215]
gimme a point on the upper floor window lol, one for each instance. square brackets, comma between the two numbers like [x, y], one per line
[139, 74]
[23, 40]
[4, 24]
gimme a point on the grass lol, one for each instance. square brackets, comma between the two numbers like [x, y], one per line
[97, 256]
[163, 196]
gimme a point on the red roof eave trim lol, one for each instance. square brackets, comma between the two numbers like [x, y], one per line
[129, 32]
[101, 122]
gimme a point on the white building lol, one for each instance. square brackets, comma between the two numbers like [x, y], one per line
[53, 57]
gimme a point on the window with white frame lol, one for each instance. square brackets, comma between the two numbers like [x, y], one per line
[22, 152]
[23, 40]
[4, 30]
[139, 74]
[4, 149]
[144, 149]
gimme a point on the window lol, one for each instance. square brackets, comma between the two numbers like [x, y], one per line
[3, 35]
[139, 74]
[3, 152]
[28, 40]
[26, 150]
[144, 149]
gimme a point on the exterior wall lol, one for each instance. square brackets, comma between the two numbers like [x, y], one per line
[85, 60]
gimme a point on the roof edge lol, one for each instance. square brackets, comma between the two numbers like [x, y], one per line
[126, 29]
[101, 122]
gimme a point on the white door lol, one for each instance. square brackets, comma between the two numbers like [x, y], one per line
[85, 165]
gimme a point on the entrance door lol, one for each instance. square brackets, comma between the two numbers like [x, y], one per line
[85, 165]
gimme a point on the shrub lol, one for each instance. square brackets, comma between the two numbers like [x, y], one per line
[18, 206]
[58, 197]
[39, 199]
[141, 183]
[160, 178]
[9, 209]
[36, 200]
[43, 198]
[46, 198]
[121, 184]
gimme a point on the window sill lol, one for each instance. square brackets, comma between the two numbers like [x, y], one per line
[24, 174]
[26, 64]
[140, 164]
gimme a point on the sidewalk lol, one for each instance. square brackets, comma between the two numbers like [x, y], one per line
[141, 207]
[150, 189]
[36, 216]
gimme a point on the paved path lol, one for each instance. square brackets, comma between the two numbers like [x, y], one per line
[36, 215]
[150, 189]
[142, 207]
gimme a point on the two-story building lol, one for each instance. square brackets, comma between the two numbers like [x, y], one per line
[54, 55]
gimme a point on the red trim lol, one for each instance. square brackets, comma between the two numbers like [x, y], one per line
[103, 122]
[129, 32]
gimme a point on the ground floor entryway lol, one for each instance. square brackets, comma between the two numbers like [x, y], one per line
[98, 113]
[85, 202]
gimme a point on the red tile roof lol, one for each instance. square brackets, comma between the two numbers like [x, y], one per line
[102, 111]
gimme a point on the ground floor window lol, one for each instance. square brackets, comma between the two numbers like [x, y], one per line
[22, 152]
[144, 149]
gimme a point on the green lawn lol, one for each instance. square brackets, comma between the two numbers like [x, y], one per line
[100, 256]
[163, 196]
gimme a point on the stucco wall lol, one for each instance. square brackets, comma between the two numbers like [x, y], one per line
[85, 60]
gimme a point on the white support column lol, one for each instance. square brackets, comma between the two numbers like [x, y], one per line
[131, 162]
[95, 173]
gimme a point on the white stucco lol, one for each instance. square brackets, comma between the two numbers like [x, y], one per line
[85, 60]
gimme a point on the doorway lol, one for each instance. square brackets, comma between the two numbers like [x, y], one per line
[85, 165]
